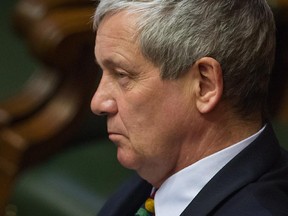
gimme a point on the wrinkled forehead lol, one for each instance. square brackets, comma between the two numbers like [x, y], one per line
[115, 34]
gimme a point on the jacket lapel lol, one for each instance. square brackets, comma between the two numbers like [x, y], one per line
[127, 200]
[245, 168]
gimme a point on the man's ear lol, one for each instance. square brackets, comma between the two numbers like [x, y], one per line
[210, 83]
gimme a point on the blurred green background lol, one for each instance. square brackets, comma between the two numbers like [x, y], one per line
[16, 64]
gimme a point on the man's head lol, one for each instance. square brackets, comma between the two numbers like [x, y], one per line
[238, 34]
[174, 75]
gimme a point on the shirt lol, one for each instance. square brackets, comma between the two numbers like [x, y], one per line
[180, 189]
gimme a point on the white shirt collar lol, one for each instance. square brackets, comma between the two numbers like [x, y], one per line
[180, 189]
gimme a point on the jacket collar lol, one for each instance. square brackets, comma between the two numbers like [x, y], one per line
[245, 168]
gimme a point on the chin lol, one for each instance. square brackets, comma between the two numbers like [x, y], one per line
[132, 161]
[127, 159]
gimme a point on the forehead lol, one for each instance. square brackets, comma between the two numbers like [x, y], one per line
[115, 39]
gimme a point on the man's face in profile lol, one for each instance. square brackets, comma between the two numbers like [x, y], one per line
[147, 117]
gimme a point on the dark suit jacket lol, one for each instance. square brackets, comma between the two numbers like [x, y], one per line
[254, 183]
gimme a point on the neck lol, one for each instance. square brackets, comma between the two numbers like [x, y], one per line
[213, 137]
[207, 135]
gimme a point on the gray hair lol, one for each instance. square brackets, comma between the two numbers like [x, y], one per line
[239, 34]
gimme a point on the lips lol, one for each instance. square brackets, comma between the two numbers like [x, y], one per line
[114, 133]
[115, 136]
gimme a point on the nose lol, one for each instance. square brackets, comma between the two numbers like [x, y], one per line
[103, 102]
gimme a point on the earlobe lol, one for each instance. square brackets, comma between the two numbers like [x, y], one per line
[210, 84]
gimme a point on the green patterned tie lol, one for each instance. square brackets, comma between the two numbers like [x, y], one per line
[147, 209]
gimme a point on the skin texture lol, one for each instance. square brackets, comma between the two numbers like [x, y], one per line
[159, 126]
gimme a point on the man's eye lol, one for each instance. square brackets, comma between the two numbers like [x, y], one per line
[122, 77]
[121, 74]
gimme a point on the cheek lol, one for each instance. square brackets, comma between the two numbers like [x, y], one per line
[152, 125]
[153, 115]
[154, 129]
